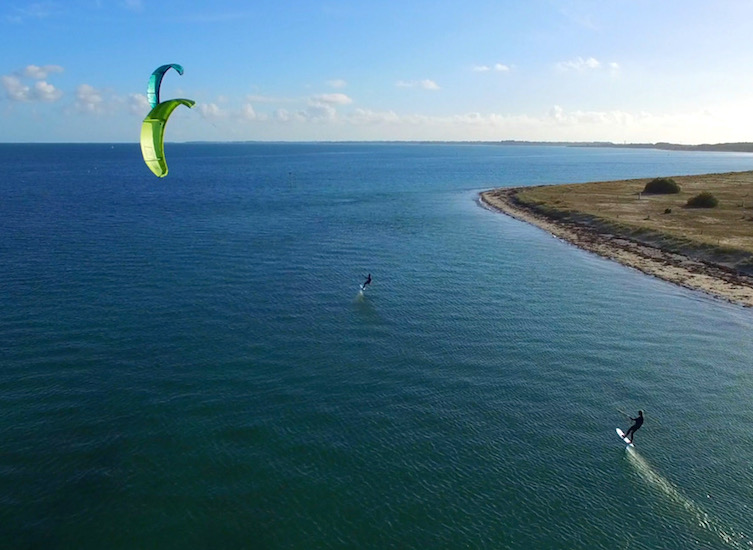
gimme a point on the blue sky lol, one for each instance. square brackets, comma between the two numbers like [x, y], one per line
[577, 70]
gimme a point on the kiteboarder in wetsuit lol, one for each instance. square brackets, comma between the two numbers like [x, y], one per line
[637, 423]
[367, 282]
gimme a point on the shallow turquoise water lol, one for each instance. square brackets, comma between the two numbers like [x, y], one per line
[187, 362]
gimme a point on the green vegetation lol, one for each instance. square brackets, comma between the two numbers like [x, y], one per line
[702, 200]
[622, 206]
[662, 186]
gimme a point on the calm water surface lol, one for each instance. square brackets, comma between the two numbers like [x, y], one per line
[188, 363]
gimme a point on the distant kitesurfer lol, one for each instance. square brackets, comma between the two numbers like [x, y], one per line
[367, 282]
[637, 423]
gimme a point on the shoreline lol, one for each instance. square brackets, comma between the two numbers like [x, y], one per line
[678, 269]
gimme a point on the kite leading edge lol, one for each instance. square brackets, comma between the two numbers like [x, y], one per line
[155, 81]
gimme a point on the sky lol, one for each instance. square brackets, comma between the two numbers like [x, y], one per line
[631, 71]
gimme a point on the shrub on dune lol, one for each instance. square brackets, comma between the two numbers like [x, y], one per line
[702, 200]
[661, 186]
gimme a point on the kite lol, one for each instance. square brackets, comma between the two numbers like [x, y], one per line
[153, 127]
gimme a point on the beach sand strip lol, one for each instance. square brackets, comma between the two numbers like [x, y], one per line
[685, 271]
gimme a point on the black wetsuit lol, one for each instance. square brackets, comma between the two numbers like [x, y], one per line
[368, 281]
[635, 427]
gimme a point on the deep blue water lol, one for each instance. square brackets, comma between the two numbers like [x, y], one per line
[187, 363]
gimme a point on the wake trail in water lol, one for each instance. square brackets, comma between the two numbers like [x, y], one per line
[701, 518]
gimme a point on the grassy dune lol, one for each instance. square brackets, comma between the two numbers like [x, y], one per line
[722, 235]
[705, 249]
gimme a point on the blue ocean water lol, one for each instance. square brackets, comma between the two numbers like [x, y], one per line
[188, 363]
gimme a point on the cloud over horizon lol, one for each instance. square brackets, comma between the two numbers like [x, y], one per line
[41, 90]
[89, 99]
[582, 65]
[497, 67]
[17, 87]
[332, 99]
[40, 73]
[425, 84]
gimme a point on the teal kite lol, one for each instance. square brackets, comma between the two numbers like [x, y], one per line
[153, 133]
[153, 128]
[155, 81]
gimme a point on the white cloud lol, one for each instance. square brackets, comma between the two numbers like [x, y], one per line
[211, 111]
[317, 108]
[248, 112]
[16, 90]
[337, 83]
[313, 118]
[41, 73]
[41, 90]
[425, 84]
[283, 115]
[366, 116]
[579, 64]
[89, 99]
[315, 112]
[318, 112]
[574, 118]
[497, 67]
[332, 99]
[557, 124]
[44, 91]
[138, 104]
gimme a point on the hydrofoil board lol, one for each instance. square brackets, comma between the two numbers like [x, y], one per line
[622, 436]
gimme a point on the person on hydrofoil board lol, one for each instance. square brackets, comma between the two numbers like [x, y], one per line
[637, 423]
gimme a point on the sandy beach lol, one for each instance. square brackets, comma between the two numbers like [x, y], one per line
[716, 280]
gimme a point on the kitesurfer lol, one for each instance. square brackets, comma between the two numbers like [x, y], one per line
[637, 423]
[367, 282]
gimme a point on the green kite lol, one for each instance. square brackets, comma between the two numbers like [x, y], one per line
[153, 133]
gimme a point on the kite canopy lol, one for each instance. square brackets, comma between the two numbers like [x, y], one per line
[153, 133]
[155, 81]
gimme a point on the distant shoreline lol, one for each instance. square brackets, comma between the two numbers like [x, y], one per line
[737, 147]
[685, 271]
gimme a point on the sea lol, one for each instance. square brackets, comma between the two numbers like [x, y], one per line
[189, 362]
